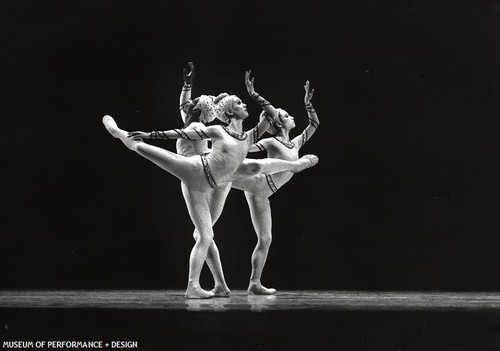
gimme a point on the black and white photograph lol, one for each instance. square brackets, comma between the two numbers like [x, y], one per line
[250, 175]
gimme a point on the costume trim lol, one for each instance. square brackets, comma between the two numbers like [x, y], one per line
[270, 182]
[235, 135]
[208, 172]
[289, 144]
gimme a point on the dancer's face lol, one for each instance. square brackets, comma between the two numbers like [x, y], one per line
[239, 108]
[287, 121]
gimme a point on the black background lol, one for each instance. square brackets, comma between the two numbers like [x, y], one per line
[406, 192]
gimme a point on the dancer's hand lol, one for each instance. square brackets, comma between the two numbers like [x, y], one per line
[139, 134]
[249, 83]
[309, 93]
[188, 76]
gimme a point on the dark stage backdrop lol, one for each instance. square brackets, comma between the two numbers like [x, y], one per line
[406, 194]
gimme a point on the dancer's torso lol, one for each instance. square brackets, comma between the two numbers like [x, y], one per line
[227, 154]
[282, 152]
[223, 158]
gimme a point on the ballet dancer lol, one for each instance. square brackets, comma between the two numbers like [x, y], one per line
[202, 173]
[216, 198]
[259, 188]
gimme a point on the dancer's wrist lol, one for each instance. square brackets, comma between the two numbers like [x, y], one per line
[309, 107]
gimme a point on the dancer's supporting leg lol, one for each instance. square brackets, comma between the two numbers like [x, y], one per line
[260, 212]
[189, 170]
[216, 200]
[199, 212]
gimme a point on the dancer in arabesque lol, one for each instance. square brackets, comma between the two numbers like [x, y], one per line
[216, 198]
[202, 173]
[259, 188]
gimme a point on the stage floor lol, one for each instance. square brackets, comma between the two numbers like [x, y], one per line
[291, 320]
[240, 301]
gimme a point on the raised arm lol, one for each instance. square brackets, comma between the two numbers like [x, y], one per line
[202, 132]
[308, 132]
[271, 113]
[186, 89]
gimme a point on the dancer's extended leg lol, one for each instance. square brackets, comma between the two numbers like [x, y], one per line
[260, 212]
[251, 167]
[190, 171]
[121, 134]
[187, 169]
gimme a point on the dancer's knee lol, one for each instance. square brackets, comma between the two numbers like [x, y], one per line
[196, 235]
[265, 240]
[253, 168]
[204, 239]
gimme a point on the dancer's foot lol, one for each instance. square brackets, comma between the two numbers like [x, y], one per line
[256, 288]
[121, 134]
[305, 162]
[220, 291]
[196, 292]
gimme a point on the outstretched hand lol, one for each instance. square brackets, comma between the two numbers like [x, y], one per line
[188, 76]
[138, 134]
[309, 93]
[249, 83]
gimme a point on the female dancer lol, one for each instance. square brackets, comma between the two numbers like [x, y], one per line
[259, 188]
[225, 163]
[216, 198]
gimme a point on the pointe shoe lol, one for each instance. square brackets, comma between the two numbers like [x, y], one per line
[220, 292]
[258, 289]
[121, 134]
[198, 293]
[110, 125]
[313, 159]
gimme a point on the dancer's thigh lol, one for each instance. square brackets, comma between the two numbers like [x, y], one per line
[256, 185]
[260, 212]
[217, 199]
[199, 211]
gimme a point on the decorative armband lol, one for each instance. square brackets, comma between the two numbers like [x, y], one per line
[304, 137]
[310, 108]
[158, 135]
[313, 123]
[263, 103]
[269, 118]
[255, 96]
[201, 133]
[181, 133]
[256, 133]
[186, 87]
[260, 146]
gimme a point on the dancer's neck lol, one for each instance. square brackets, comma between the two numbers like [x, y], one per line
[284, 134]
[236, 125]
